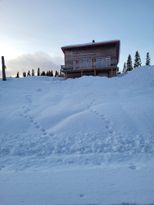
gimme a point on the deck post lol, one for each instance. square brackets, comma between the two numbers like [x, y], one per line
[81, 73]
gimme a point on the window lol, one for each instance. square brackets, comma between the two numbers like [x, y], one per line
[108, 61]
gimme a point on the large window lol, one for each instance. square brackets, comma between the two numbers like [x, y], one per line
[94, 62]
[102, 62]
[108, 61]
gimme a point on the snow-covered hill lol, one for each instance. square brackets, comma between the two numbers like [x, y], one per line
[50, 123]
[90, 120]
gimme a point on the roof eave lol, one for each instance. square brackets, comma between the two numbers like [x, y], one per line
[90, 45]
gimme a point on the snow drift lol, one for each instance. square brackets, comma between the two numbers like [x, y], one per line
[90, 120]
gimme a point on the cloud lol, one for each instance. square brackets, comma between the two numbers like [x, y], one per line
[32, 61]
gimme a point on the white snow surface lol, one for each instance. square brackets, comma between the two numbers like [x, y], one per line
[88, 140]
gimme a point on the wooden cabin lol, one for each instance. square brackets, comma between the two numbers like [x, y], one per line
[95, 58]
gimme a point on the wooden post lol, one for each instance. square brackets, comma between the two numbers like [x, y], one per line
[81, 73]
[3, 68]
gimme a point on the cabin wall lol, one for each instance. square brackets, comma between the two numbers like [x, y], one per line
[91, 57]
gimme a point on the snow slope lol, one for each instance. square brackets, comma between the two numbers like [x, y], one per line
[90, 120]
[105, 124]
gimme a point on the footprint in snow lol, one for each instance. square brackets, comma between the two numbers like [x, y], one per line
[111, 131]
[39, 90]
[81, 195]
[44, 133]
[107, 126]
[105, 120]
[37, 126]
[26, 109]
[132, 166]
[31, 120]
[35, 123]
[42, 129]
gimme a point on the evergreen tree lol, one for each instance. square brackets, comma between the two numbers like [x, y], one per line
[129, 63]
[56, 74]
[28, 74]
[51, 73]
[137, 61]
[147, 59]
[33, 72]
[48, 73]
[43, 73]
[24, 74]
[38, 72]
[17, 76]
[125, 68]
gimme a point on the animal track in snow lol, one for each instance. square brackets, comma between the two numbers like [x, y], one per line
[32, 121]
[28, 99]
[106, 122]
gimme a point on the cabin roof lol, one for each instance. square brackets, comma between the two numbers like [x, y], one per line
[92, 44]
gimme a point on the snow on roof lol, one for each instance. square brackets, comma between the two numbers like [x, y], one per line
[93, 43]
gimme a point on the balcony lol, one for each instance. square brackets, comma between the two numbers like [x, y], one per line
[66, 68]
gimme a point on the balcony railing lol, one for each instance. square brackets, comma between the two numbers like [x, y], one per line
[65, 68]
[70, 68]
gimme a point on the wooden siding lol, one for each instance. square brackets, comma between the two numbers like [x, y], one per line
[91, 57]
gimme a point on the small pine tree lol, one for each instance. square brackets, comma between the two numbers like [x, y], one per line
[129, 63]
[51, 73]
[28, 73]
[33, 72]
[48, 73]
[137, 61]
[24, 74]
[147, 59]
[56, 74]
[125, 68]
[43, 73]
[38, 72]
[17, 76]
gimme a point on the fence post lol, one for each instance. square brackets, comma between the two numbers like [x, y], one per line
[3, 68]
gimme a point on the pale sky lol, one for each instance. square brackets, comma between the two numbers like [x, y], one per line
[32, 32]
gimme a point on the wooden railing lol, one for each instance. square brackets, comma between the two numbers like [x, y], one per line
[65, 68]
